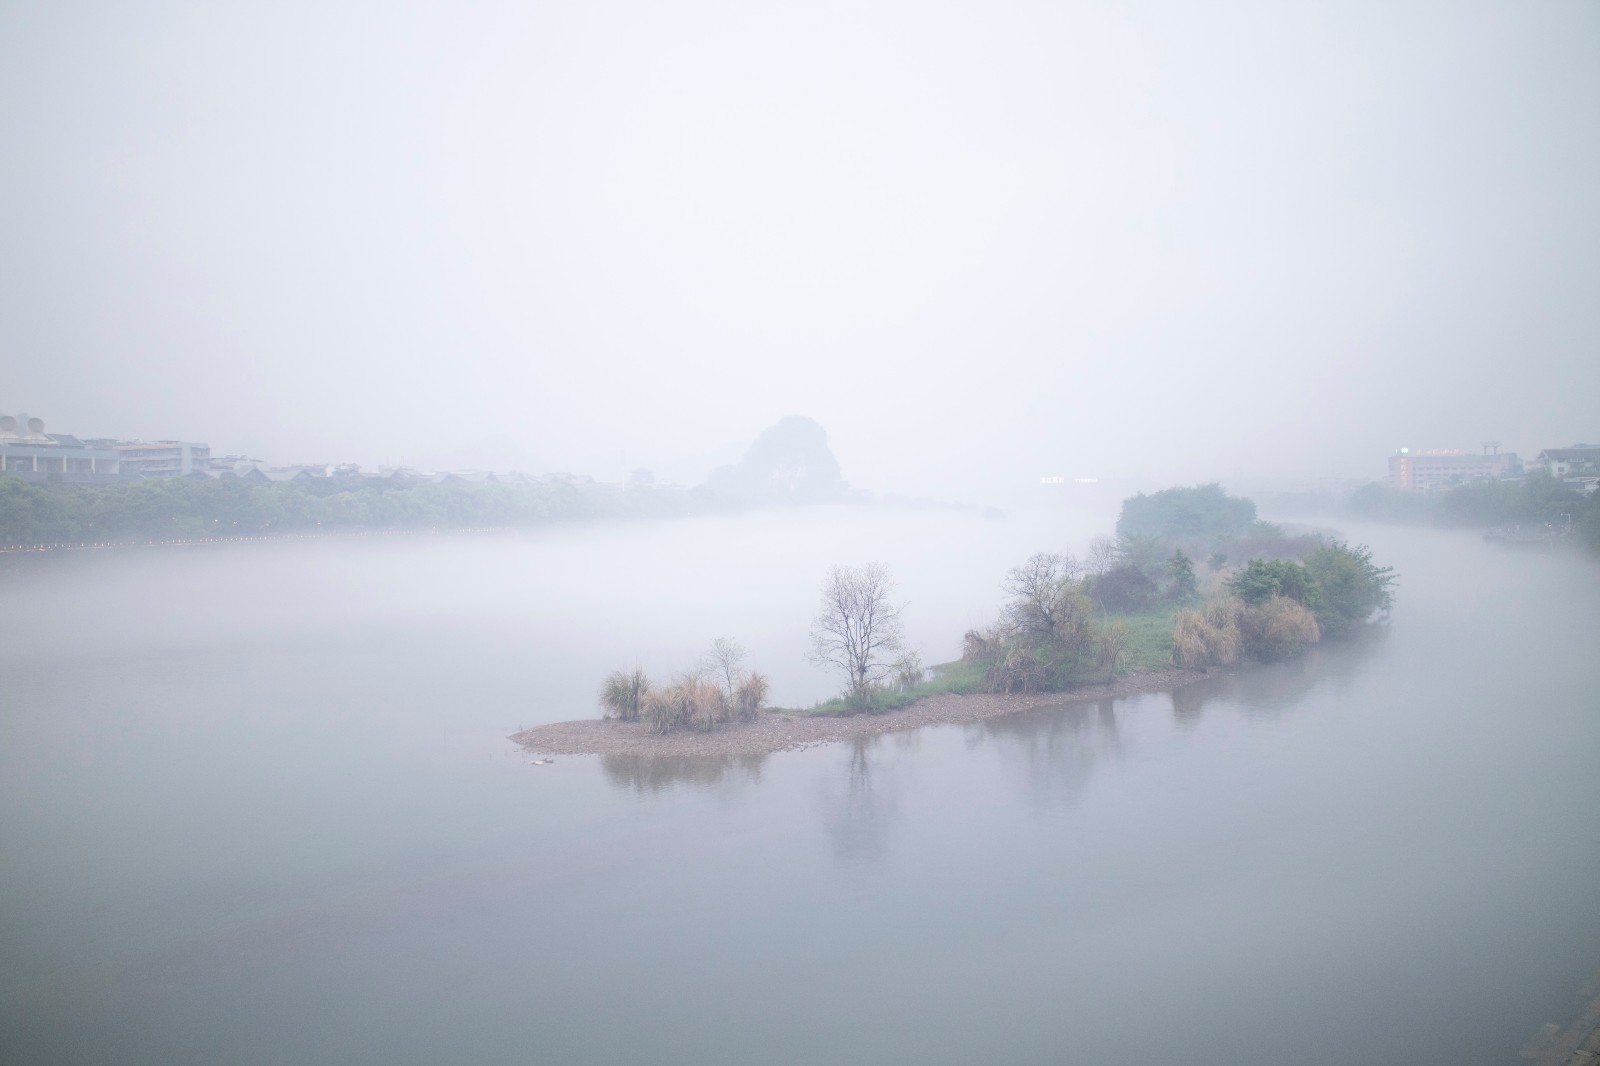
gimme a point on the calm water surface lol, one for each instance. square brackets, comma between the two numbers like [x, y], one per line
[256, 807]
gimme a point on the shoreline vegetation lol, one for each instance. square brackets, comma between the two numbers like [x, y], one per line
[787, 730]
[1134, 615]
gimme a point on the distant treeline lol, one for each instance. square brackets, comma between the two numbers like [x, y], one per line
[788, 463]
[1531, 502]
[182, 508]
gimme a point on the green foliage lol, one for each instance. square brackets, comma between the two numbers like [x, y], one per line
[1180, 578]
[1497, 503]
[1149, 640]
[1197, 514]
[1587, 523]
[1350, 586]
[1532, 500]
[1268, 540]
[958, 677]
[1262, 579]
[1143, 551]
[193, 508]
[1127, 589]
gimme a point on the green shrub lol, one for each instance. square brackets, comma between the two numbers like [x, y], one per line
[1262, 579]
[1350, 586]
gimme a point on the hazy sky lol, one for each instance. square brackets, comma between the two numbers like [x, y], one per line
[973, 240]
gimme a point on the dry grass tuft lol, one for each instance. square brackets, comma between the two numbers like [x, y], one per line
[1208, 637]
[623, 694]
[1278, 628]
[749, 696]
[1017, 668]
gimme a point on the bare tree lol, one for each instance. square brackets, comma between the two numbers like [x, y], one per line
[1043, 594]
[725, 663]
[858, 629]
[1104, 556]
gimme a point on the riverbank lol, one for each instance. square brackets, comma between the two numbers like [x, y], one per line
[777, 731]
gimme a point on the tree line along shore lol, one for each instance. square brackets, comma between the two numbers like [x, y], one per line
[1191, 582]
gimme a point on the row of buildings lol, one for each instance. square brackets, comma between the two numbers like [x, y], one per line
[27, 451]
[1413, 470]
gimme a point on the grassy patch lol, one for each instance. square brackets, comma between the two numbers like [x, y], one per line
[1150, 648]
[1151, 644]
[960, 677]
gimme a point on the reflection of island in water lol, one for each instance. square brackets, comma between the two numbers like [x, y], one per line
[1054, 748]
[1057, 747]
[657, 773]
[1267, 691]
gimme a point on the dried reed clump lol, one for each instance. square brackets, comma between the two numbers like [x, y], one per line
[749, 696]
[623, 694]
[1189, 641]
[1112, 642]
[1278, 628]
[694, 703]
[1017, 667]
[688, 703]
[1208, 637]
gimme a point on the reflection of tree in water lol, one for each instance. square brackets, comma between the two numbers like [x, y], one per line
[860, 808]
[656, 773]
[1057, 746]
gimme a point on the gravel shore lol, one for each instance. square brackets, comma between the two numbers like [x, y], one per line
[775, 731]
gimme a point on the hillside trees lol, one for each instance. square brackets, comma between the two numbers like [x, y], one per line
[1196, 514]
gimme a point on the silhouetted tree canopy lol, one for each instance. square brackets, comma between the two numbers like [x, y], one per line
[1203, 512]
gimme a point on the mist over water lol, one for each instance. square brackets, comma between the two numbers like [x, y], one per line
[257, 806]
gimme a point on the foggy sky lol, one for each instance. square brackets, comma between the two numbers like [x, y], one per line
[974, 240]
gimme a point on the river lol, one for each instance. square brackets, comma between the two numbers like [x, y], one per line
[256, 806]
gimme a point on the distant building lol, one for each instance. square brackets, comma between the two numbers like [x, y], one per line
[237, 465]
[1578, 460]
[1424, 471]
[30, 453]
[163, 458]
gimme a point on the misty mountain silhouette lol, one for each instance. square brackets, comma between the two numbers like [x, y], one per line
[790, 461]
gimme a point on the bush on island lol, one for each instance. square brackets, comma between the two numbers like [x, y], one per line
[690, 702]
[1277, 628]
[623, 694]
